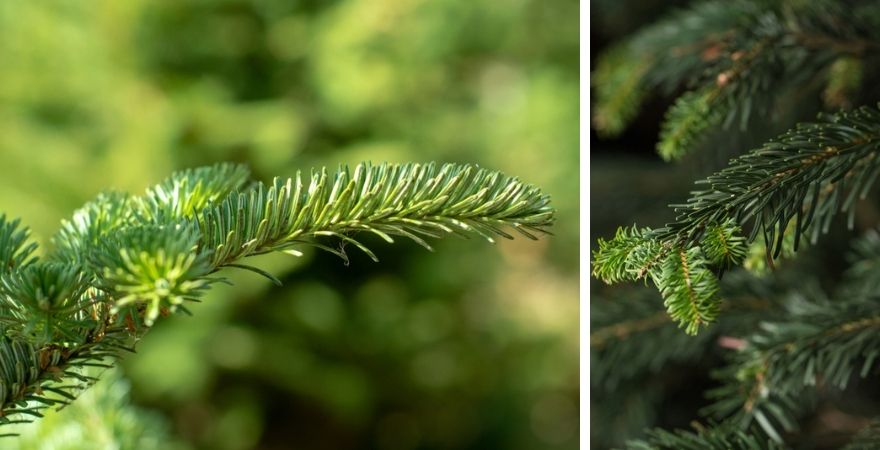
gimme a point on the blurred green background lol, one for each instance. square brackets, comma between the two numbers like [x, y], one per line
[472, 346]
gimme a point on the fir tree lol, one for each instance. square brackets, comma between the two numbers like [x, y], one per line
[124, 261]
[781, 343]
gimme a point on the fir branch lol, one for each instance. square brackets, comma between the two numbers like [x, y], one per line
[612, 261]
[819, 341]
[687, 41]
[717, 437]
[801, 180]
[412, 200]
[104, 417]
[123, 261]
[664, 55]
[686, 122]
[683, 276]
[179, 196]
[734, 57]
[34, 378]
[805, 176]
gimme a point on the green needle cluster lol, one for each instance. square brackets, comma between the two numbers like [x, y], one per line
[124, 261]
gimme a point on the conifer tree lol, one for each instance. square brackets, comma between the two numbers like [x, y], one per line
[124, 261]
[784, 342]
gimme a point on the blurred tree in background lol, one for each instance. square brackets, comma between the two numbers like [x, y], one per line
[473, 346]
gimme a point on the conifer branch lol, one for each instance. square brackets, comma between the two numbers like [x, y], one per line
[724, 245]
[734, 57]
[413, 201]
[818, 342]
[633, 336]
[123, 261]
[794, 185]
[686, 122]
[806, 175]
[715, 437]
[736, 63]
[615, 260]
[682, 275]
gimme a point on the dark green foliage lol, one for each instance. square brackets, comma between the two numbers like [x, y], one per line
[772, 373]
[686, 122]
[723, 245]
[108, 416]
[632, 335]
[778, 370]
[712, 438]
[33, 378]
[807, 175]
[801, 180]
[21, 367]
[806, 344]
[124, 261]
[737, 58]
[45, 302]
[817, 341]
[617, 87]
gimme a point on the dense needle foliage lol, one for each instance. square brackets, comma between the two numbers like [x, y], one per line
[123, 261]
[779, 342]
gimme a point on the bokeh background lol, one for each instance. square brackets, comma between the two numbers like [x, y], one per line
[473, 346]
